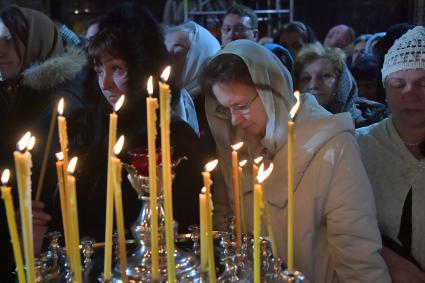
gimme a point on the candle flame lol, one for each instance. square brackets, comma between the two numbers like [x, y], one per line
[243, 162]
[150, 86]
[72, 164]
[31, 143]
[296, 106]
[258, 160]
[118, 146]
[237, 146]
[61, 105]
[59, 155]
[23, 142]
[263, 174]
[166, 73]
[204, 190]
[211, 165]
[5, 177]
[119, 103]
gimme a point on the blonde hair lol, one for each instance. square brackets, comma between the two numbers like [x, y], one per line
[314, 51]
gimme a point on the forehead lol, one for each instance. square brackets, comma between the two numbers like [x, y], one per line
[411, 75]
[318, 65]
[105, 58]
[176, 38]
[234, 19]
[232, 93]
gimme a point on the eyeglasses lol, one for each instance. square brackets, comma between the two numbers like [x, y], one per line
[240, 29]
[226, 112]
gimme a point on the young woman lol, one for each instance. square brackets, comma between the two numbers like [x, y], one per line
[336, 233]
[393, 152]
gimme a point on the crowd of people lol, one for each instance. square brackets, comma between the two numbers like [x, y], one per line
[360, 130]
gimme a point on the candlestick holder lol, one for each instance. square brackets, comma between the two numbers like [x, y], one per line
[139, 263]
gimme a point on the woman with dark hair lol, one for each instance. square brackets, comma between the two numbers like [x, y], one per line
[36, 71]
[336, 234]
[128, 49]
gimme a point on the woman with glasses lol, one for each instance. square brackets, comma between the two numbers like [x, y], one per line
[322, 72]
[336, 233]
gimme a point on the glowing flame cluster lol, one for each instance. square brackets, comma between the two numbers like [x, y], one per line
[296, 106]
[166, 74]
[237, 146]
[150, 86]
[5, 176]
[26, 142]
[211, 165]
[243, 162]
[119, 103]
[72, 164]
[263, 174]
[118, 146]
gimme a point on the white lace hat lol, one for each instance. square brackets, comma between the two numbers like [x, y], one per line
[407, 53]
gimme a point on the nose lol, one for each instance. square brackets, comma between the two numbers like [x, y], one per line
[313, 84]
[410, 93]
[237, 118]
[105, 81]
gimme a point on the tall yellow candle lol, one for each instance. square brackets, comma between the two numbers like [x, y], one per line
[117, 170]
[240, 174]
[73, 219]
[23, 164]
[165, 99]
[63, 135]
[11, 221]
[151, 106]
[63, 201]
[207, 184]
[258, 210]
[290, 260]
[203, 231]
[113, 120]
[236, 194]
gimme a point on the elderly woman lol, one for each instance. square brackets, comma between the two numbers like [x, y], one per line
[321, 71]
[393, 152]
[36, 71]
[189, 47]
[336, 234]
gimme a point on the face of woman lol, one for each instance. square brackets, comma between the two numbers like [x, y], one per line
[178, 44]
[10, 62]
[247, 110]
[111, 76]
[405, 93]
[319, 79]
[292, 41]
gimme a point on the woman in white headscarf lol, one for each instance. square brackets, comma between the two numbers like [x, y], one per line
[336, 233]
[190, 46]
[393, 152]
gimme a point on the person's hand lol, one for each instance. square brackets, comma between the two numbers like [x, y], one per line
[402, 270]
[40, 221]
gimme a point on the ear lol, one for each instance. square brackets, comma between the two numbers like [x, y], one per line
[255, 32]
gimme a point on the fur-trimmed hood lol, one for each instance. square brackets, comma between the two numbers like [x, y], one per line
[55, 71]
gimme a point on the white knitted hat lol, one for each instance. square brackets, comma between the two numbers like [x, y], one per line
[407, 53]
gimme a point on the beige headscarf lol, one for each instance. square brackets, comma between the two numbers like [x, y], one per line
[44, 40]
[274, 86]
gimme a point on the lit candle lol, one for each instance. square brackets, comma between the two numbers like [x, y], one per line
[255, 168]
[116, 172]
[236, 194]
[258, 210]
[203, 231]
[113, 120]
[240, 174]
[210, 166]
[73, 219]
[165, 99]
[63, 201]
[23, 164]
[11, 221]
[151, 106]
[63, 135]
[292, 113]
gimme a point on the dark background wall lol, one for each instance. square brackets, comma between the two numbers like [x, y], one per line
[365, 16]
